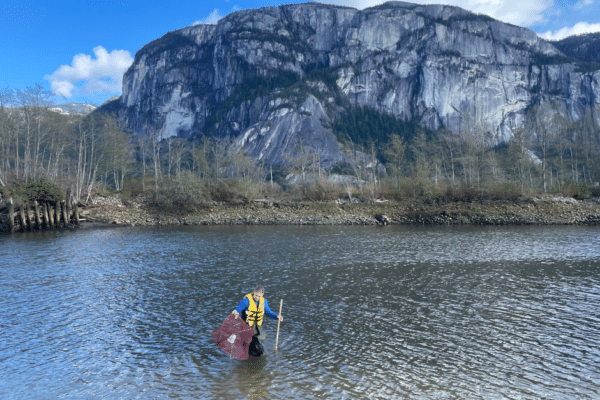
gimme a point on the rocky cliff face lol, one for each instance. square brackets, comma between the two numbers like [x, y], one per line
[276, 77]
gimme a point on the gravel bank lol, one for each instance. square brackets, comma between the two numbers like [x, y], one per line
[547, 211]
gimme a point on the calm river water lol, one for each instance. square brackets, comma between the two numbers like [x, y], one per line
[370, 313]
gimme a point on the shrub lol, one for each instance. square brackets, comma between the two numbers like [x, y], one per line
[325, 75]
[505, 191]
[451, 53]
[279, 174]
[41, 190]
[134, 187]
[403, 188]
[224, 192]
[177, 198]
[387, 189]
[321, 190]
[342, 169]
[466, 194]
[413, 188]
[5, 194]
[576, 190]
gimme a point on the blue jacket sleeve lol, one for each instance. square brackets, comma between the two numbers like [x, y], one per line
[268, 311]
[244, 304]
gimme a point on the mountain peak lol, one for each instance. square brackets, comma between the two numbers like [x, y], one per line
[278, 78]
[73, 108]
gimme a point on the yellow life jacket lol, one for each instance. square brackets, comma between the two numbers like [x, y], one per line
[255, 313]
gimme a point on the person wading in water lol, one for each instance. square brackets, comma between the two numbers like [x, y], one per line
[252, 309]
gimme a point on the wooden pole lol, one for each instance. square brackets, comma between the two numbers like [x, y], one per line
[38, 222]
[64, 213]
[57, 213]
[68, 216]
[76, 212]
[46, 219]
[11, 215]
[23, 219]
[278, 322]
[28, 215]
[51, 215]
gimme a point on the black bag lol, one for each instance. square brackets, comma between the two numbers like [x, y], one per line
[256, 348]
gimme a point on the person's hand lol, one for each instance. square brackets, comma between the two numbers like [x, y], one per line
[280, 318]
[234, 312]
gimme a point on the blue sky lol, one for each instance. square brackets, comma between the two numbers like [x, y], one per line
[79, 50]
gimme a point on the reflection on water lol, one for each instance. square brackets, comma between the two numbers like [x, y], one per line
[371, 312]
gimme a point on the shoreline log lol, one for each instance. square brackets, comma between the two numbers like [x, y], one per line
[11, 215]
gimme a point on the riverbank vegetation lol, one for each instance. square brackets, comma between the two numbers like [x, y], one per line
[386, 159]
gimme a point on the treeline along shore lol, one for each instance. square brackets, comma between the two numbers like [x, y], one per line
[393, 172]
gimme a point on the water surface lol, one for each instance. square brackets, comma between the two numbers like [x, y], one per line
[370, 312]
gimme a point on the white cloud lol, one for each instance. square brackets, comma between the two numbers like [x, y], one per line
[101, 75]
[582, 3]
[517, 12]
[212, 18]
[577, 29]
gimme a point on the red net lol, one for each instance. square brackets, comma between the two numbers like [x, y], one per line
[234, 337]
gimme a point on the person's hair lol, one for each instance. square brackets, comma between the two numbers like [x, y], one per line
[259, 289]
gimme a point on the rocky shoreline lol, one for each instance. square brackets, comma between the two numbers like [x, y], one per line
[543, 211]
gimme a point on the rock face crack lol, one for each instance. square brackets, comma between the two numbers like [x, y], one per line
[502, 69]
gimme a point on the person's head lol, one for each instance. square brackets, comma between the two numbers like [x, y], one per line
[259, 292]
